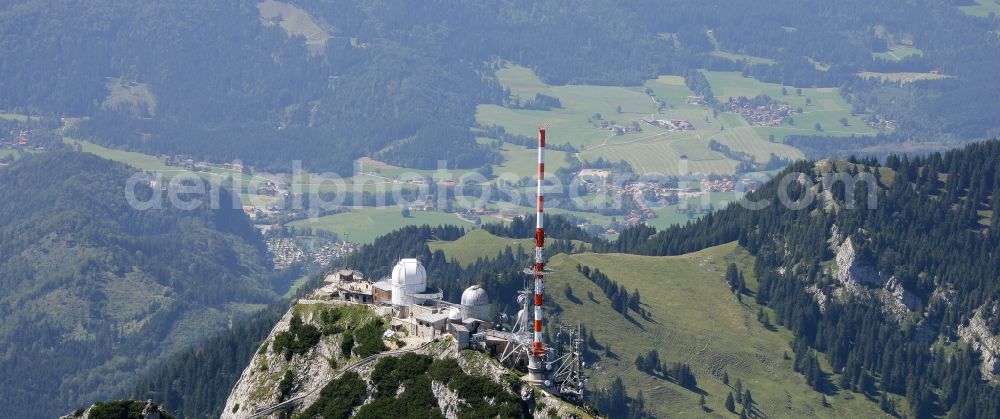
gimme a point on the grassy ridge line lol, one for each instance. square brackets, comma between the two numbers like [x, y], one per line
[481, 244]
[695, 319]
[366, 224]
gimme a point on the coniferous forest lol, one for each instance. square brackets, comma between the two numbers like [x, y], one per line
[883, 279]
[401, 83]
[933, 231]
[94, 292]
[929, 229]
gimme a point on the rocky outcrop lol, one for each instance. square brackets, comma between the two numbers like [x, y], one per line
[258, 385]
[857, 279]
[150, 410]
[448, 400]
[850, 271]
[819, 296]
[979, 336]
[896, 300]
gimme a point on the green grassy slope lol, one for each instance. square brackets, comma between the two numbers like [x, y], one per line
[481, 244]
[365, 224]
[478, 244]
[695, 319]
[982, 8]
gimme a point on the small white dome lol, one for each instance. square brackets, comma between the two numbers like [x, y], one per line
[455, 315]
[475, 296]
[475, 303]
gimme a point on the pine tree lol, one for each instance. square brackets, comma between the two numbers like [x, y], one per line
[730, 404]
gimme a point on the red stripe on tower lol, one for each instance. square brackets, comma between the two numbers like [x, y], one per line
[537, 344]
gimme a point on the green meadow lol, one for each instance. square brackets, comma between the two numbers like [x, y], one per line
[694, 319]
[982, 8]
[826, 107]
[898, 53]
[365, 224]
[654, 150]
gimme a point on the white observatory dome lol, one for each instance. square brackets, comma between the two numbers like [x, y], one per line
[408, 278]
[475, 303]
[455, 315]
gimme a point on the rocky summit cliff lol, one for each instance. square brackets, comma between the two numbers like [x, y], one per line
[332, 359]
[121, 409]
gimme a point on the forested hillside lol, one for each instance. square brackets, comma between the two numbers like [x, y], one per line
[196, 382]
[400, 81]
[898, 294]
[93, 291]
[895, 291]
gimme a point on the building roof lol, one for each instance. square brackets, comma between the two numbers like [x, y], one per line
[357, 287]
[432, 317]
[383, 285]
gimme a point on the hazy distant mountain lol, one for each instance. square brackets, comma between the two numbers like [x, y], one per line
[93, 291]
[327, 82]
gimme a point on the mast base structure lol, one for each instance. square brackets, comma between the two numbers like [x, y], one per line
[549, 366]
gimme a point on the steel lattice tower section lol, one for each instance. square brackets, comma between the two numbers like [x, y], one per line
[537, 368]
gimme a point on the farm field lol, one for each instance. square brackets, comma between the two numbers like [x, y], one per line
[741, 58]
[579, 103]
[523, 161]
[826, 108]
[362, 182]
[518, 160]
[901, 77]
[898, 53]
[672, 91]
[137, 160]
[695, 319]
[153, 164]
[295, 22]
[654, 150]
[982, 8]
[365, 224]
[14, 117]
[668, 215]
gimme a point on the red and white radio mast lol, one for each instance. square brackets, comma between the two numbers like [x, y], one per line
[537, 363]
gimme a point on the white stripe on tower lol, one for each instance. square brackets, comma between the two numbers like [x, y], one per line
[537, 344]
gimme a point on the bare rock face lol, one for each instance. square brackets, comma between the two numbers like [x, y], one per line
[979, 336]
[850, 271]
[257, 386]
[448, 400]
[854, 278]
[819, 295]
[896, 300]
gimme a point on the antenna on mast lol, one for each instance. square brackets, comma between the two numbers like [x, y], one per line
[537, 366]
